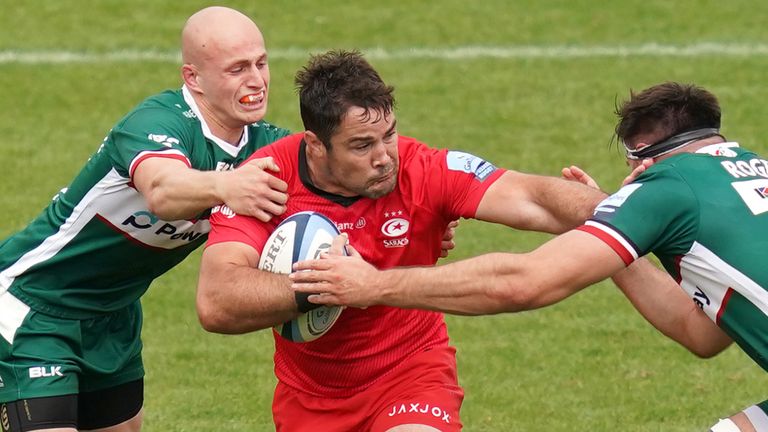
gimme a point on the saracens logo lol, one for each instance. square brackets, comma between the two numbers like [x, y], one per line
[396, 227]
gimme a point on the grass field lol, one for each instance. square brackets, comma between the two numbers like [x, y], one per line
[531, 85]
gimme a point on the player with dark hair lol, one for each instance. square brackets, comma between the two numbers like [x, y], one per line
[380, 368]
[70, 282]
[702, 208]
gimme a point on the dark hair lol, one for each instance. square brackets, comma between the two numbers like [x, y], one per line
[666, 109]
[333, 82]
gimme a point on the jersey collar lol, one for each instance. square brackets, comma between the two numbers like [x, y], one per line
[719, 149]
[227, 147]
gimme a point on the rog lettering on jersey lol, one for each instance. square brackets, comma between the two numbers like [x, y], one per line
[271, 253]
[700, 298]
[145, 220]
[752, 168]
[420, 408]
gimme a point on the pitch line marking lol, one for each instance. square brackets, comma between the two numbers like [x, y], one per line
[454, 53]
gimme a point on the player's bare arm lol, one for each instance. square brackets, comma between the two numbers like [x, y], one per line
[538, 203]
[233, 296]
[175, 191]
[487, 284]
[668, 308]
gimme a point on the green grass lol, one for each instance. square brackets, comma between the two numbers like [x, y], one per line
[589, 363]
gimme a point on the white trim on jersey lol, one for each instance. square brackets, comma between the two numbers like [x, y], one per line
[702, 269]
[757, 417]
[81, 215]
[616, 236]
[12, 314]
[160, 153]
[227, 147]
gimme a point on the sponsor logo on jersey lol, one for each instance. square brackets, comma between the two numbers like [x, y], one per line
[470, 164]
[610, 204]
[225, 210]
[163, 139]
[754, 193]
[420, 408]
[349, 226]
[45, 372]
[224, 166]
[751, 168]
[145, 220]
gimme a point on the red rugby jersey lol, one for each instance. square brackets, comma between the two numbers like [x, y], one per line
[403, 228]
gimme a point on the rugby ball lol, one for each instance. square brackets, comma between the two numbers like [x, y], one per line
[301, 236]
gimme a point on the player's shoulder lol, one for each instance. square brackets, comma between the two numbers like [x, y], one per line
[267, 130]
[167, 107]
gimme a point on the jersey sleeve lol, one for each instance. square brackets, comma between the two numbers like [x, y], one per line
[147, 133]
[228, 226]
[657, 213]
[453, 182]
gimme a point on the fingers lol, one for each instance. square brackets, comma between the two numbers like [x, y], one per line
[337, 247]
[266, 163]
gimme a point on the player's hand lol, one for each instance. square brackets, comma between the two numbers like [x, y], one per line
[577, 174]
[341, 280]
[252, 191]
[447, 244]
[644, 164]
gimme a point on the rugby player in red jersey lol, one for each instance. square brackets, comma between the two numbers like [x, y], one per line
[381, 368]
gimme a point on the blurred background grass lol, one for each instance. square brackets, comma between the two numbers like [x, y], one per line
[589, 363]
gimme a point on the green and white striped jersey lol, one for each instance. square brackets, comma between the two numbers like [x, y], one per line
[705, 216]
[97, 247]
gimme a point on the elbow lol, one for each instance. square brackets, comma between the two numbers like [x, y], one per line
[158, 206]
[707, 351]
[214, 319]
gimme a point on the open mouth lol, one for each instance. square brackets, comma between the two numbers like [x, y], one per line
[253, 98]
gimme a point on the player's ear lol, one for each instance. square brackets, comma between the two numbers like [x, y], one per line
[190, 76]
[314, 145]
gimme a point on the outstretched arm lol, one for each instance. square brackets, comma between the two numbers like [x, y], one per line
[538, 203]
[665, 305]
[233, 296]
[174, 191]
[487, 284]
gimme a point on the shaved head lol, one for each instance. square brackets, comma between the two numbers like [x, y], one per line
[213, 29]
[225, 69]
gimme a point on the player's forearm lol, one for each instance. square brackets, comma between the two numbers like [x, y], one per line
[666, 306]
[237, 299]
[566, 204]
[184, 193]
[487, 284]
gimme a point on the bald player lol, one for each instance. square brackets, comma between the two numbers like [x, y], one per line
[70, 282]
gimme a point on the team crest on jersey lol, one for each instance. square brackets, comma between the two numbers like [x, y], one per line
[396, 228]
[470, 164]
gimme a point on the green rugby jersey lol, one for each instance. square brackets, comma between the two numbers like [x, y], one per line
[705, 216]
[97, 247]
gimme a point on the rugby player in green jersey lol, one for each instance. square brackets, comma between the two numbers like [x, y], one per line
[70, 282]
[701, 208]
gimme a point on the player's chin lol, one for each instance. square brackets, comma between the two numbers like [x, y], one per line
[252, 115]
[381, 188]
